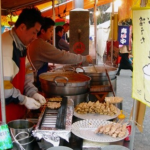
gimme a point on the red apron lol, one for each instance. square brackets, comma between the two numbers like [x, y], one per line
[16, 111]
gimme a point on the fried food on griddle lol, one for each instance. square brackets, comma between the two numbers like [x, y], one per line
[55, 99]
[53, 105]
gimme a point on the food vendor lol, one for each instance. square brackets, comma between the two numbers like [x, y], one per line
[20, 93]
[41, 52]
[60, 43]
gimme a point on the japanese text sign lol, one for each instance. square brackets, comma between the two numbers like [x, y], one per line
[141, 55]
[123, 35]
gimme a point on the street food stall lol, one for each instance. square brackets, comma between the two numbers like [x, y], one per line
[70, 117]
[55, 118]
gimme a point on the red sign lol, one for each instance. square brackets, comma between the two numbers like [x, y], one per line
[78, 47]
[115, 51]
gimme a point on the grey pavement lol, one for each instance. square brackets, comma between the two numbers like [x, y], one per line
[124, 89]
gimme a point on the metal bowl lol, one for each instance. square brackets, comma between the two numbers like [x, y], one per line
[20, 128]
[64, 83]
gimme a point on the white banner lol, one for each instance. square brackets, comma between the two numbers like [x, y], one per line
[141, 55]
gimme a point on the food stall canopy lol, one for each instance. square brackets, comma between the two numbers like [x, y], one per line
[59, 9]
[15, 7]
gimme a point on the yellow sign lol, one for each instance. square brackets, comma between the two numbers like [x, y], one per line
[6, 19]
[141, 55]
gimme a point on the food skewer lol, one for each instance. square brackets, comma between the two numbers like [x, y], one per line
[113, 129]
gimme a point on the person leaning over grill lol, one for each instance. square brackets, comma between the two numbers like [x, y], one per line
[20, 93]
[41, 52]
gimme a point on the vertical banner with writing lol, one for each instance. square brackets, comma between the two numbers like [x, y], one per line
[141, 55]
[123, 35]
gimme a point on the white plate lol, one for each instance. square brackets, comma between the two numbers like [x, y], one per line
[85, 130]
[60, 148]
[96, 116]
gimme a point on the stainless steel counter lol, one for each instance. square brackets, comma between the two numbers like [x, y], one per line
[77, 143]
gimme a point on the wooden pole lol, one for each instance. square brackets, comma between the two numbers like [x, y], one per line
[112, 34]
[131, 146]
[2, 80]
[95, 29]
[53, 7]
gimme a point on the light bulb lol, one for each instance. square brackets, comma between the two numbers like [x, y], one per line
[118, 3]
[67, 17]
[97, 12]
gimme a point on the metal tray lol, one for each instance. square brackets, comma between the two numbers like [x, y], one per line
[49, 132]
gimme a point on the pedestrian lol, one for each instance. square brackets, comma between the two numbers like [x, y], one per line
[20, 93]
[124, 63]
[41, 52]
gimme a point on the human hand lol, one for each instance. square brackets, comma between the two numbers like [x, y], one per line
[39, 98]
[89, 59]
[31, 103]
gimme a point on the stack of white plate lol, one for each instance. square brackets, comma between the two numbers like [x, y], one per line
[59, 148]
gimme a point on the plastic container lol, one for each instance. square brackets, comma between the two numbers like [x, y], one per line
[5, 138]
[129, 130]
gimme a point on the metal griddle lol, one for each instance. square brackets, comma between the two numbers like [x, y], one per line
[50, 126]
[54, 118]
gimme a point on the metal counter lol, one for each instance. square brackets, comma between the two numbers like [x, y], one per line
[77, 143]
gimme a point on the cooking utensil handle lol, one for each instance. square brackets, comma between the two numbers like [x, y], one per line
[57, 69]
[79, 68]
[60, 77]
[110, 82]
[70, 68]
